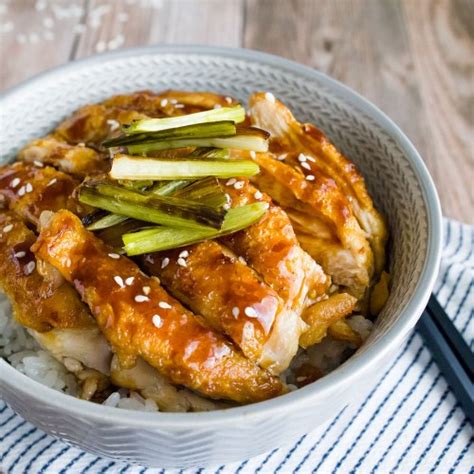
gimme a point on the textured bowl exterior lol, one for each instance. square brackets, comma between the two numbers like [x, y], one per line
[397, 179]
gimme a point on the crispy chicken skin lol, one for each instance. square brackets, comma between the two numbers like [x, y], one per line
[270, 246]
[37, 303]
[29, 190]
[77, 160]
[92, 124]
[170, 102]
[291, 138]
[232, 299]
[47, 306]
[321, 212]
[171, 339]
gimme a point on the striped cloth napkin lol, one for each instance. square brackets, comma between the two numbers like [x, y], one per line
[410, 422]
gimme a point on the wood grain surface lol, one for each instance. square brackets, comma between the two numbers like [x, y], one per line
[412, 58]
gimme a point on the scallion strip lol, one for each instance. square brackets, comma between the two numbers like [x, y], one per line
[169, 215]
[164, 188]
[107, 221]
[165, 238]
[234, 114]
[201, 130]
[128, 167]
[246, 139]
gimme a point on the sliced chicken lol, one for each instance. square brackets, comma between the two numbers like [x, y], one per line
[29, 190]
[307, 149]
[323, 315]
[233, 300]
[126, 305]
[270, 247]
[92, 124]
[170, 102]
[74, 159]
[49, 307]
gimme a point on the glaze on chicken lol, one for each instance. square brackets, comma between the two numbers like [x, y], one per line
[228, 322]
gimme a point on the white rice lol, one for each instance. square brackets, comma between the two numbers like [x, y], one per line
[25, 355]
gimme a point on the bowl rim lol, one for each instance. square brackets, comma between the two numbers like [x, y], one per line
[353, 368]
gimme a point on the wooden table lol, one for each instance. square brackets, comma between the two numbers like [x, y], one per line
[413, 58]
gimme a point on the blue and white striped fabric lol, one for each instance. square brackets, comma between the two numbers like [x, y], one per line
[410, 422]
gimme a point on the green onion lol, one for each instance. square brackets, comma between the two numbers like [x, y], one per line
[165, 188]
[172, 212]
[201, 130]
[164, 238]
[107, 221]
[207, 191]
[233, 114]
[136, 185]
[245, 139]
[127, 167]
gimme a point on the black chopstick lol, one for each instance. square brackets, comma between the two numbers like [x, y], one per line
[451, 353]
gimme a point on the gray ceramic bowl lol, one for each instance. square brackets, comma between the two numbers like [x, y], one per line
[397, 178]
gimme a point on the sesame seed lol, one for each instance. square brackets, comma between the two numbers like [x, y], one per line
[281, 158]
[242, 260]
[250, 312]
[226, 206]
[20, 254]
[239, 185]
[266, 206]
[302, 157]
[29, 187]
[310, 158]
[218, 106]
[182, 262]
[129, 281]
[141, 298]
[21, 191]
[253, 155]
[82, 144]
[14, 182]
[231, 182]
[38, 163]
[113, 124]
[119, 281]
[115, 256]
[164, 305]
[301, 378]
[179, 106]
[270, 97]
[228, 198]
[165, 262]
[310, 177]
[68, 262]
[164, 102]
[258, 195]
[157, 321]
[146, 290]
[305, 165]
[235, 312]
[173, 101]
[8, 228]
[29, 268]
[228, 100]
[53, 181]
[184, 254]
